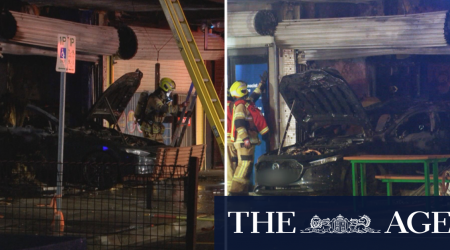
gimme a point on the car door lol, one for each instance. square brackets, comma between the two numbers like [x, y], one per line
[36, 139]
[415, 134]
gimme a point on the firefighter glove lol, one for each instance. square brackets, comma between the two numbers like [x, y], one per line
[264, 77]
[247, 143]
[184, 104]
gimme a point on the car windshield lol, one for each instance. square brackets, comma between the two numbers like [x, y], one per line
[38, 118]
[338, 130]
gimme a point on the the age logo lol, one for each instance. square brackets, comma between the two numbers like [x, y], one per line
[340, 225]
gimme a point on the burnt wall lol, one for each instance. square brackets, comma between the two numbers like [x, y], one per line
[3, 76]
[420, 6]
[355, 71]
[335, 10]
[387, 76]
[33, 79]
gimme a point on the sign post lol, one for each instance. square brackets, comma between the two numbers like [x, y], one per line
[65, 62]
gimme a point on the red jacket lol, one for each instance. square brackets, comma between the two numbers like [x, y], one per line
[258, 118]
[247, 121]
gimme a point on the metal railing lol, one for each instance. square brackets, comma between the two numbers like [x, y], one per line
[138, 212]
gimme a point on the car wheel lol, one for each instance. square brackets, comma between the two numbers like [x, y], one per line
[100, 170]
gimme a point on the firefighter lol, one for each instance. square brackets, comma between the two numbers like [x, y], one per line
[246, 122]
[152, 109]
[232, 159]
[232, 153]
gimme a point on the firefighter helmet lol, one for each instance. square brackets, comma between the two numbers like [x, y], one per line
[238, 89]
[167, 84]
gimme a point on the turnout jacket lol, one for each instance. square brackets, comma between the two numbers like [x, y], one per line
[155, 107]
[247, 121]
[254, 96]
[158, 106]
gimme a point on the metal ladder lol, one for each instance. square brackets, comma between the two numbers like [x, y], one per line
[185, 116]
[196, 68]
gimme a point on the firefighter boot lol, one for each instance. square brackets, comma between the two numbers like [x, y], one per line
[244, 168]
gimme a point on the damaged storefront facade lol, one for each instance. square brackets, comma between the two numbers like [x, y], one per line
[112, 40]
[138, 193]
[392, 56]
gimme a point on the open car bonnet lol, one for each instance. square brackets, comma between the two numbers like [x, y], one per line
[322, 97]
[111, 104]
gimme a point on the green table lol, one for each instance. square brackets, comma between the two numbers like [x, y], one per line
[426, 160]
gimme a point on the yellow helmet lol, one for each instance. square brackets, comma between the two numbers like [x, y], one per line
[238, 89]
[167, 84]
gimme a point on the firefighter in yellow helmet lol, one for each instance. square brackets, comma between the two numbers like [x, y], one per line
[152, 109]
[245, 122]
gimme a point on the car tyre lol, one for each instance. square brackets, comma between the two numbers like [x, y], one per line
[100, 170]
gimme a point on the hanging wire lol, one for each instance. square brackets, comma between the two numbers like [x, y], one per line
[148, 35]
[404, 8]
[158, 50]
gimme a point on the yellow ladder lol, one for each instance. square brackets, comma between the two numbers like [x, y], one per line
[196, 68]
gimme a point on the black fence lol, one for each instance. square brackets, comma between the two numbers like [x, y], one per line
[155, 210]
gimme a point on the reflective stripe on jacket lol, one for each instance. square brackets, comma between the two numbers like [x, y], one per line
[229, 119]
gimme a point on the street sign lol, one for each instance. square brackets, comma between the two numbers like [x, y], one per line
[65, 60]
[65, 63]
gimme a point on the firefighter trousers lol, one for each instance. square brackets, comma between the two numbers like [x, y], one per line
[241, 175]
[154, 137]
[232, 161]
[153, 131]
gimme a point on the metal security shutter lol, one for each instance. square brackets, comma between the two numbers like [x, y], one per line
[174, 69]
[382, 32]
[150, 40]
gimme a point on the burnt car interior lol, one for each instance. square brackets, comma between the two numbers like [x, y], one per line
[39, 119]
[332, 123]
[28, 132]
[413, 125]
[337, 130]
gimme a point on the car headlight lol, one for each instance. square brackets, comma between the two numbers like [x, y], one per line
[137, 152]
[323, 161]
[145, 165]
[280, 173]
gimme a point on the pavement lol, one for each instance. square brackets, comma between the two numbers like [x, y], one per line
[119, 218]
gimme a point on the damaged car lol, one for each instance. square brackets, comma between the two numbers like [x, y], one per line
[86, 147]
[335, 125]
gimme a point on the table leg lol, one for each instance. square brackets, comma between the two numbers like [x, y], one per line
[362, 170]
[435, 178]
[427, 178]
[389, 188]
[355, 190]
[389, 192]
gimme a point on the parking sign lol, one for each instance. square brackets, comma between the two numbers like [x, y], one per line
[65, 60]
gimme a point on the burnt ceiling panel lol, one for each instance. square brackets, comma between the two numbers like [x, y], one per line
[129, 5]
[139, 12]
